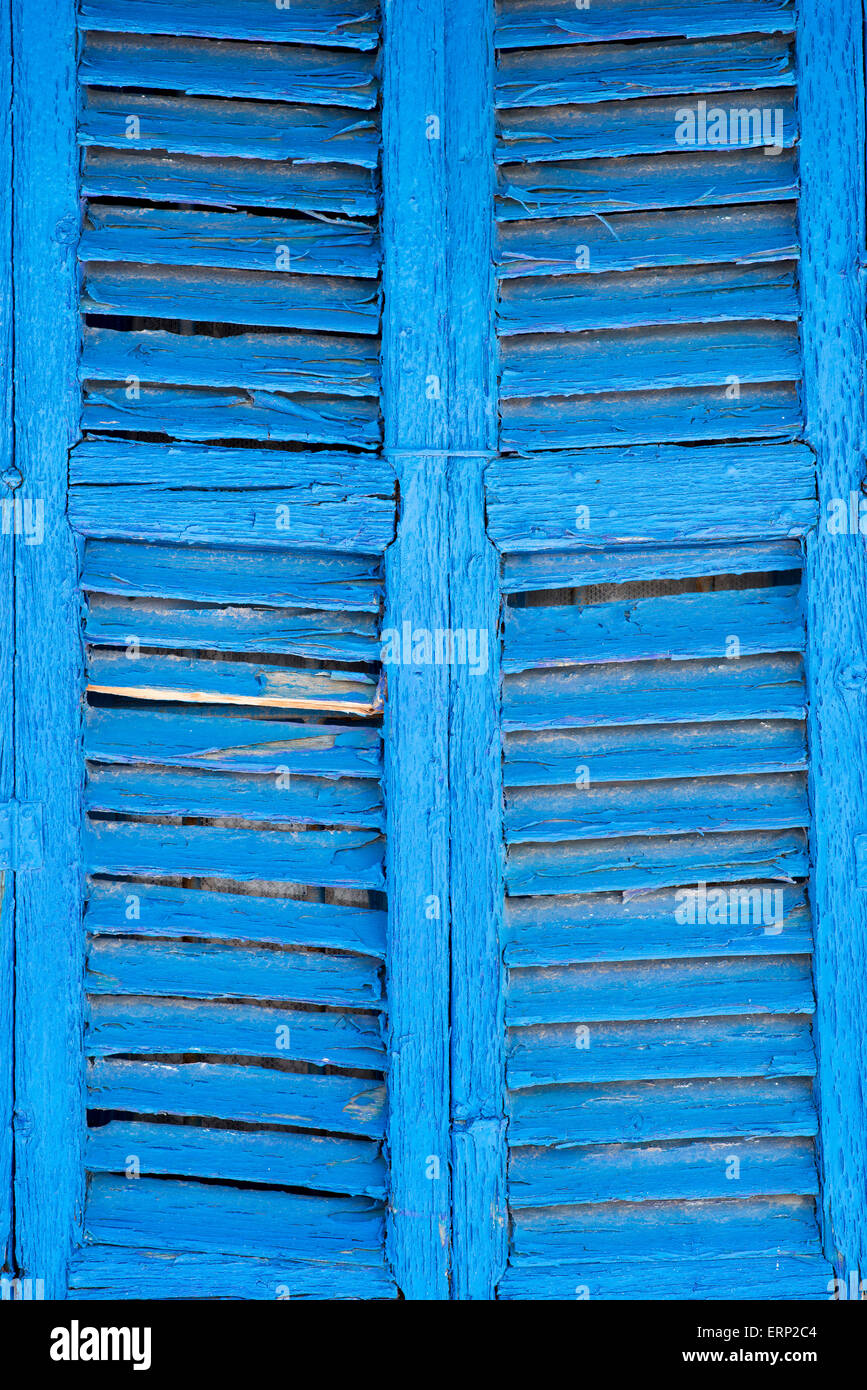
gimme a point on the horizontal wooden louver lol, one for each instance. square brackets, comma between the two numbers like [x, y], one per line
[648, 502]
[233, 516]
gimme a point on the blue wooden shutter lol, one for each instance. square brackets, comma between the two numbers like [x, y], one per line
[232, 513]
[652, 500]
[341, 971]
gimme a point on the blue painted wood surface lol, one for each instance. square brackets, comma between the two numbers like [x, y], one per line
[480, 1213]
[832, 96]
[7, 653]
[335, 23]
[415, 347]
[49, 1173]
[403, 1094]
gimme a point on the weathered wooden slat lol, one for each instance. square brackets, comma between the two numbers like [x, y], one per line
[629, 241]
[193, 970]
[651, 126]
[257, 1095]
[306, 363]
[112, 1272]
[591, 993]
[652, 417]
[655, 358]
[648, 127]
[147, 909]
[586, 758]
[555, 569]
[361, 481]
[276, 300]
[268, 183]
[212, 67]
[294, 579]
[766, 1045]
[232, 1220]
[638, 1172]
[628, 299]
[234, 240]
[648, 1230]
[646, 629]
[300, 363]
[233, 129]
[335, 858]
[697, 1109]
[598, 866]
[337, 23]
[615, 71]
[223, 741]
[657, 493]
[539, 188]
[761, 918]
[200, 494]
[124, 789]
[536, 23]
[751, 1277]
[110, 620]
[167, 1027]
[212, 413]
[201, 682]
[320, 1162]
[656, 692]
[774, 801]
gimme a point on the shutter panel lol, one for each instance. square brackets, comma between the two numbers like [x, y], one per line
[648, 503]
[433, 743]
[233, 518]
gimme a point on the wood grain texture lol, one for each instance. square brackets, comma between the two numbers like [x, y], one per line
[562, 930]
[661, 1110]
[635, 240]
[233, 1220]
[480, 1214]
[678, 1171]
[229, 182]
[229, 741]
[831, 75]
[758, 1044]
[293, 579]
[561, 568]
[234, 240]
[614, 71]
[134, 1025]
[654, 692]
[336, 858]
[49, 943]
[759, 1277]
[194, 970]
[415, 345]
[180, 912]
[538, 23]
[655, 493]
[637, 129]
[352, 1166]
[581, 187]
[254, 1094]
[236, 129]
[275, 299]
[7, 652]
[256, 684]
[214, 67]
[335, 23]
[110, 1271]
[668, 627]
